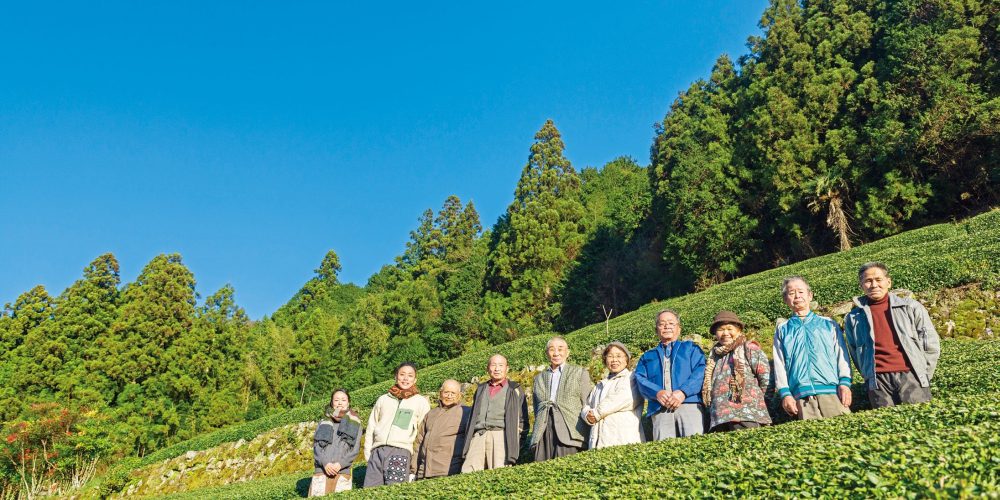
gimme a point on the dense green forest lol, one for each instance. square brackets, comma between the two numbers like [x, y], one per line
[845, 122]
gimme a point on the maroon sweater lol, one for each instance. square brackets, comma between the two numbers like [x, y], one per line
[889, 355]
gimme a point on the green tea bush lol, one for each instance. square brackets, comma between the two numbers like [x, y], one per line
[944, 255]
[945, 448]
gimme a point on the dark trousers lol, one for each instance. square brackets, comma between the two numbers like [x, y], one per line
[897, 388]
[387, 465]
[549, 445]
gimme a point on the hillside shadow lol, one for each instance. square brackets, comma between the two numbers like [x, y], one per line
[302, 486]
[618, 271]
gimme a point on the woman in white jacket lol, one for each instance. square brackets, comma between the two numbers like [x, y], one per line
[614, 406]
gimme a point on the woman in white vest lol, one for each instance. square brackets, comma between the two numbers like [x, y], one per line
[614, 407]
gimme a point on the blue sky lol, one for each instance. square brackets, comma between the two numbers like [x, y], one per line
[252, 137]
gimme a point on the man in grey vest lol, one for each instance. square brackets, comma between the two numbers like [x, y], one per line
[559, 394]
[499, 423]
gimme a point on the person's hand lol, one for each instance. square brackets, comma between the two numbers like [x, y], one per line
[677, 399]
[332, 469]
[790, 406]
[663, 397]
[591, 419]
[844, 393]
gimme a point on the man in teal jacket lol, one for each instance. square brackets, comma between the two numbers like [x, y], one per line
[811, 372]
[892, 341]
[670, 376]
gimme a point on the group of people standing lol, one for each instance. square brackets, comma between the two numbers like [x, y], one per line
[890, 339]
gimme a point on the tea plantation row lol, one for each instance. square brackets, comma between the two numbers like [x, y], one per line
[949, 447]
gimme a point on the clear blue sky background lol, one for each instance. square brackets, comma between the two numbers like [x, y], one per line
[252, 137]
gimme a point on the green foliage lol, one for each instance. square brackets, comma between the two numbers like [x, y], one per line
[945, 448]
[699, 188]
[847, 121]
[100, 373]
[422, 308]
[930, 258]
[618, 267]
[537, 243]
[298, 354]
[968, 312]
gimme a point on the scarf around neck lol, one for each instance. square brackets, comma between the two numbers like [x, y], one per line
[404, 393]
[332, 414]
[736, 384]
[336, 416]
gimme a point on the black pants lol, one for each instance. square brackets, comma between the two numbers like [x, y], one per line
[549, 446]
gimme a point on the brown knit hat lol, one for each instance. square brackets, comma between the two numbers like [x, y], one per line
[725, 317]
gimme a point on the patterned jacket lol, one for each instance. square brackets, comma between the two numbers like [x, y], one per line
[757, 376]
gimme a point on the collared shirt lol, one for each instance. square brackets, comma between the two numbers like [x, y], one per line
[554, 386]
[495, 388]
[667, 349]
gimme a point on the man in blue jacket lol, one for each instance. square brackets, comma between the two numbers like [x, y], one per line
[670, 377]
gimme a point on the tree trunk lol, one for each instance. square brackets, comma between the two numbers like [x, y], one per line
[837, 220]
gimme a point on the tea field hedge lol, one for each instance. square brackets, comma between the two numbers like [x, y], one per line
[949, 447]
[939, 256]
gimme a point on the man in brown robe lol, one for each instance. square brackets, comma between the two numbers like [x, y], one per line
[441, 436]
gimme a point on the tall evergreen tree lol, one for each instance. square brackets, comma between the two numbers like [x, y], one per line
[156, 309]
[538, 242]
[698, 187]
[83, 312]
[610, 276]
[931, 145]
[801, 78]
[421, 251]
[31, 312]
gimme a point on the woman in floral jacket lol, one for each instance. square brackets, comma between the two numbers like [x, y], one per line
[736, 376]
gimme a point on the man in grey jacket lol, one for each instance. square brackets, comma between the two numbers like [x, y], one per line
[559, 394]
[891, 341]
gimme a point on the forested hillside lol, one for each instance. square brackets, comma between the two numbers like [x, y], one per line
[846, 121]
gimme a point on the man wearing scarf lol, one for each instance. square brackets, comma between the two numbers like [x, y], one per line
[392, 428]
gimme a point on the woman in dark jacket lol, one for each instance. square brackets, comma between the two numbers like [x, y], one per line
[335, 446]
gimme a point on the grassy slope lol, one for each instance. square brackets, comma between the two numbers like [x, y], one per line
[948, 448]
[934, 257]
